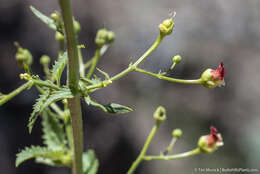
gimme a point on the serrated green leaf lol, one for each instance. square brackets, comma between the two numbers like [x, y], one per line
[37, 107]
[53, 131]
[59, 66]
[90, 162]
[50, 22]
[45, 100]
[112, 108]
[37, 151]
[63, 93]
[46, 161]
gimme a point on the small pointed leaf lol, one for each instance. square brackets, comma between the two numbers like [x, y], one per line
[104, 73]
[90, 162]
[112, 108]
[59, 66]
[47, 20]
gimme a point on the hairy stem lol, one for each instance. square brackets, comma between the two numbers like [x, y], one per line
[141, 156]
[73, 78]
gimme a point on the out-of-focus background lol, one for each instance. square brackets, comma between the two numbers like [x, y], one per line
[206, 33]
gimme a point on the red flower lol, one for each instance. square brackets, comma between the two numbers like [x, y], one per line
[212, 78]
[219, 73]
[213, 137]
[210, 143]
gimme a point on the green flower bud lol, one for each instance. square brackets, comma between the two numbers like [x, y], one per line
[25, 76]
[166, 27]
[177, 133]
[45, 60]
[59, 37]
[176, 59]
[160, 114]
[23, 56]
[55, 16]
[104, 37]
[76, 26]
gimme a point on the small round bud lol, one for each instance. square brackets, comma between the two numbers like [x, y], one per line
[104, 37]
[160, 114]
[54, 16]
[65, 101]
[166, 27]
[177, 133]
[76, 26]
[176, 59]
[110, 36]
[23, 56]
[59, 37]
[45, 60]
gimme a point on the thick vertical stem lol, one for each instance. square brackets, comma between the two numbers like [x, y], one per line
[73, 78]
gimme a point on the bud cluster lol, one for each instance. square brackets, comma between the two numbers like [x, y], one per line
[23, 56]
[104, 37]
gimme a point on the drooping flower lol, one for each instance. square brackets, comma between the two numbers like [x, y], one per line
[212, 78]
[210, 143]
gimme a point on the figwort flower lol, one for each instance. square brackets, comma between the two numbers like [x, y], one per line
[210, 143]
[212, 78]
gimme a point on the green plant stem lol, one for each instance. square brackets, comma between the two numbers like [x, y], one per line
[169, 70]
[89, 62]
[133, 66]
[159, 76]
[94, 63]
[141, 156]
[171, 157]
[81, 64]
[73, 78]
[45, 84]
[169, 148]
[11, 95]
[140, 60]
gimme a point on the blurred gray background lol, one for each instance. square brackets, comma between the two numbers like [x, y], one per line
[206, 33]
